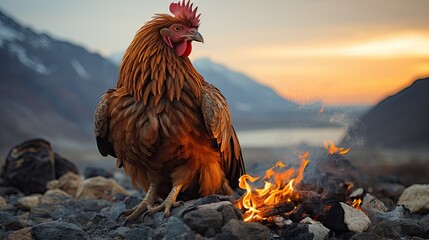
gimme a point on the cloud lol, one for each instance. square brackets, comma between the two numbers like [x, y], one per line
[405, 45]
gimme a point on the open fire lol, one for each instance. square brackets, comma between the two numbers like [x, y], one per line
[284, 194]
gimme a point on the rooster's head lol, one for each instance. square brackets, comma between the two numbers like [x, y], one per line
[179, 35]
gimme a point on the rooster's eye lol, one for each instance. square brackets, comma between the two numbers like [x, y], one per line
[177, 29]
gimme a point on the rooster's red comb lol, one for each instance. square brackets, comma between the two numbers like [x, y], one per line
[185, 11]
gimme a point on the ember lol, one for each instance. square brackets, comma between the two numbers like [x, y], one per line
[332, 149]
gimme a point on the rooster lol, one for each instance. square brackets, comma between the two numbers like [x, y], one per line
[169, 129]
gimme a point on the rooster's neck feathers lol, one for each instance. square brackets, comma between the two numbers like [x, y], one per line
[150, 68]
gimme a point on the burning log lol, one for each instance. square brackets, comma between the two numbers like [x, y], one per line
[278, 209]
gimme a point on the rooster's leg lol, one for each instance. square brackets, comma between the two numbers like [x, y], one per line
[145, 204]
[168, 203]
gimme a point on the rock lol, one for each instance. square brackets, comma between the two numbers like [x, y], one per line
[297, 231]
[415, 198]
[366, 236]
[138, 233]
[14, 223]
[424, 222]
[32, 164]
[53, 184]
[58, 231]
[99, 188]
[410, 227]
[176, 229]
[69, 183]
[2, 201]
[4, 216]
[228, 213]
[319, 231]
[236, 229]
[371, 202]
[119, 232]
[28, 202]
[358, 193]
[396, 214]
[387, 230]
[372, 207]
[94, 172]
[201, 220]
[22, 234]
[116, 210]
[54, 197]
[342, 218]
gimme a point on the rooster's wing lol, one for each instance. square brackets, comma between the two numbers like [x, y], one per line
[218, 122]
[101, 125]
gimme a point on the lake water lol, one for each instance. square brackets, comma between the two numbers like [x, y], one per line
[284, 137]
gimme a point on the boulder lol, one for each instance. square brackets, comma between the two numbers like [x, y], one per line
[30, 165]
[99, 188]
[415, 198]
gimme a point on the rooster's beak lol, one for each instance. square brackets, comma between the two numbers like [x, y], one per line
[195, 36]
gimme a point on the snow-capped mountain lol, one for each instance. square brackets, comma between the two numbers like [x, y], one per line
[244, 95]
[49, 88]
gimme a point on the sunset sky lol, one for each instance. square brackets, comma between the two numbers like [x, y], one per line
[339, 52]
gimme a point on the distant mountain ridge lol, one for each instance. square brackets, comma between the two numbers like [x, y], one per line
[244, 95]
[400, 121]
[49, 87]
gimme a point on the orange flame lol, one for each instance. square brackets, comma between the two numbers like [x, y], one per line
[332, 149]
[279, 187]
[356, 203]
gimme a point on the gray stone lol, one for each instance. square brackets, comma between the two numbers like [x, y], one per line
[58, 231]
[357, 193]
[228, 213]
[176, 229]
[245, 230]
[319, 231]
[138, 233]
[202, 219]
[298, 231]
[366, 236]
[159, 232]
[415, 198]
[396, 214]
[424, 222]
[116, 210]
[387, 229]
[121, 232]
[14, 223]
[4, 216]
[410, 227]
